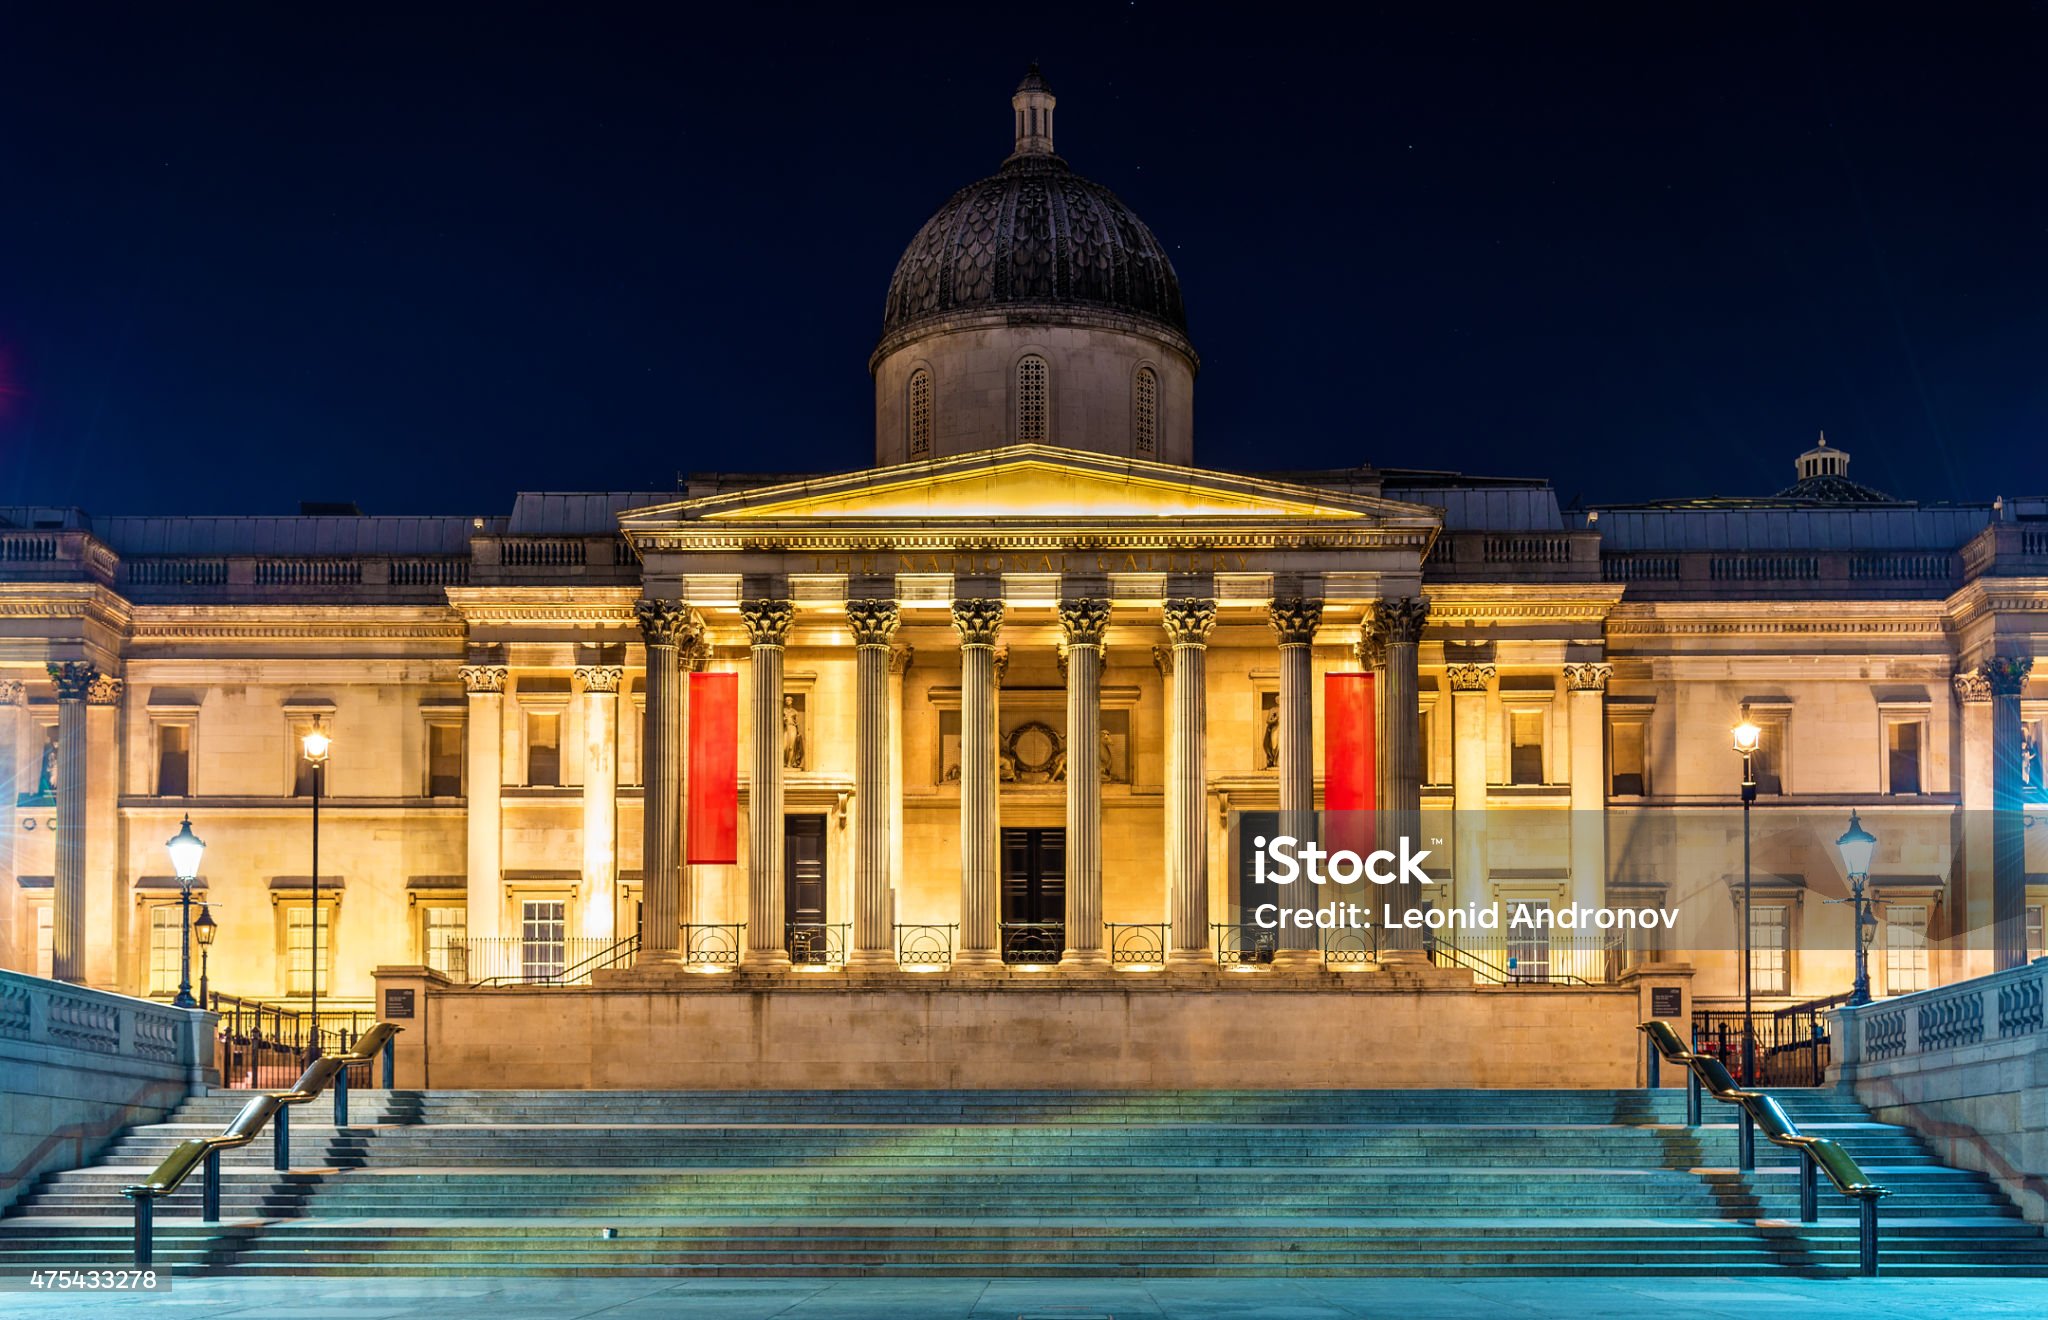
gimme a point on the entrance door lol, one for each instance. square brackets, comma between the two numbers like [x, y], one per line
[1254, 945]
[1034, 895]
[806, 934]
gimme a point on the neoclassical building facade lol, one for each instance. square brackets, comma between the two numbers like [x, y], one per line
[1008, 696]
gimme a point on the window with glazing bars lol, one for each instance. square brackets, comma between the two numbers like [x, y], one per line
[1031, 391]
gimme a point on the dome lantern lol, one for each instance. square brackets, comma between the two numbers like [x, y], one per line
[1033, 104]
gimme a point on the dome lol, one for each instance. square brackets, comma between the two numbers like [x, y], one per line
[1034, 234]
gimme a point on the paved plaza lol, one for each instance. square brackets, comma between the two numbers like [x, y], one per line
[1062, 1299]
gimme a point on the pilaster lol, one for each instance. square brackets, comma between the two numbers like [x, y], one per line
[73, 678]
[484, 778]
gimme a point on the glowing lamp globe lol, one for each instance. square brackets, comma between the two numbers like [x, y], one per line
[1856, 847]
[186, 849]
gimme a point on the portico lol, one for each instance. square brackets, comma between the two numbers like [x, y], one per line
[1077, 621]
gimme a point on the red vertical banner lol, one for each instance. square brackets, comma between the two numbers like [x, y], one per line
[713, 813]
[1349, 755]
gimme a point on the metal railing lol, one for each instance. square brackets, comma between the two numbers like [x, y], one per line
[1035, 943]
[500, 959]
[330, 1069]
[258, 1044]
[1138, 944]
[1350, 947]
[576, 973]
[925, 945]
[1759, 1110]
[1240, 946]
[1792, 1045]
[713, 943]
[817, 943]
[1564, 958]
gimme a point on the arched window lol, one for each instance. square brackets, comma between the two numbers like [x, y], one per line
[1031, 384]
[1145, 413]
[920, 413]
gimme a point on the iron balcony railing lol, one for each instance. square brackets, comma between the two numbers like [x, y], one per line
[1350, 947]
[1135, 945]
[926, 947]
[1239, 945]
[817, 943]
[713, 944]
[1035, 943]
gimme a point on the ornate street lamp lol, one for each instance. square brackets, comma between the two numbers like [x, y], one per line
[1856, 847]
[186, 849]
[203, 930]
[316, 744]
[1747, 737]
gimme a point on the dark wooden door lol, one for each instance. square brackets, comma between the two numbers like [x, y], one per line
[1253, 943]
[1034, 894]
[803, 886]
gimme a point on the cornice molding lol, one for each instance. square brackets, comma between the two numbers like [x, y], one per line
[567, 604]
[980, 536]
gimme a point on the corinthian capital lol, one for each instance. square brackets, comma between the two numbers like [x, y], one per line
[1972, 686]
[666, 622]
[11, 692]
[1587, 678]
[1295, 619]
[74, 678]
[1085, 620]
[484, 678]
[2007, 674]
[874, 622]
[599, 678]
[979, 621]
[104, 692]
[1372, 645]
[1189, 620]
[1400, 620]
[768, 621]
[1469, 678]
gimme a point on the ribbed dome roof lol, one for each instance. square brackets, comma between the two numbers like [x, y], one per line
[1034, 232]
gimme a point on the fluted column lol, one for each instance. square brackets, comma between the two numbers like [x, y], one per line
[979, 623]
[874, 624]
[1970, 889]
[768, 623]
[1295, 621]
[2008, 678]
[1586, 722]
[1084, 622]
[1372, 656]
[74, 680]
[1469, 684]
[13, 780]
[598, 917]
[1399, 622]
[1188, 622]
[667, 628]
[482, 804]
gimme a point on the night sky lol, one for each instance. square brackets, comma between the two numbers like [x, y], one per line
[422, 259]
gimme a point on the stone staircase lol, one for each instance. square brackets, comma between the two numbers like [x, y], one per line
[1023, 1183]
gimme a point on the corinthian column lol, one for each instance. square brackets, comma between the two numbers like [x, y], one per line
[1084, 623]
[874, 624]
[668, 628]
[1295, 621]
[768, 623]
[482, 808]
[1189, 622]
[2008, 678]
[12, 781]
[1970, 889]
[1586, 718]
[1400, 622]
[1469, 684]
[74, 680]
[979, 622]
[600, 684]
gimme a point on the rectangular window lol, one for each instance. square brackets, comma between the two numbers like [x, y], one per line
[1905, 948]
[543, 936]
[1770, 968]
[544, 749]
[443, 931]
[302, 769]
[166, 933]
[1769, 762]
[1528, 945]
[298, 947]
[1902, 755]
[1626, 754]
[46, 942]
[2037, 943]
[1426, 736]
[173, 760]
[1525, 758]
[444, 760]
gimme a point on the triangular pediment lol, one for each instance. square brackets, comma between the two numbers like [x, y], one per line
[1032, 483]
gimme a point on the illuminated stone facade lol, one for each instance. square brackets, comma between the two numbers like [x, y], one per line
[1007, 691]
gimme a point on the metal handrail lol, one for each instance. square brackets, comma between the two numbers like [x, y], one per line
[247, 1125]
[1473, 962]
[1762, 1110]
[610, 956]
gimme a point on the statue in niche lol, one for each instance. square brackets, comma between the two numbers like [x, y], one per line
[2030, 759]
[1269, 734]
[792, 733]
[1105, 758]
[46, 778]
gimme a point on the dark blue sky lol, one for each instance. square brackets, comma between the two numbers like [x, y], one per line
[423, 259]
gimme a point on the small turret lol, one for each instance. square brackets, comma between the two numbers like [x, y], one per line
[1033, 103]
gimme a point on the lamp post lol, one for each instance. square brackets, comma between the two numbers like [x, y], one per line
[1747, 737]
[203, 930]
[186, 849]
[1856, 846]
[316, 744]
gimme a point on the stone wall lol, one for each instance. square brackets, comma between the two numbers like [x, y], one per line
[1966, 1066]
[77, 1066]
[1221, 1030]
